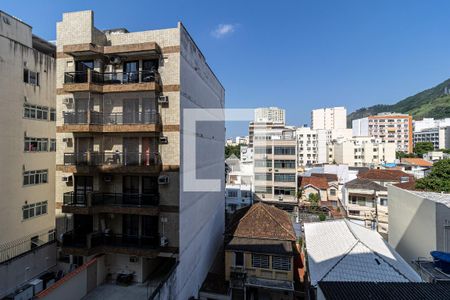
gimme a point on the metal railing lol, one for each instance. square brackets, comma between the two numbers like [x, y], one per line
[119, 199]
[98, 239]
[89, 76]
[112, 158]
[74, 199]
[99, 118]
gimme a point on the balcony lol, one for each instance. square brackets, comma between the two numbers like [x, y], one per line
[111, 162]
[98, 202]
[110, 122]
[111, 82]
[98, 242]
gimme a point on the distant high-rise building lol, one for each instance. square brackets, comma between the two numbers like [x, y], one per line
[389, 127]
[27, 185]
[329, 118]
[270, 114]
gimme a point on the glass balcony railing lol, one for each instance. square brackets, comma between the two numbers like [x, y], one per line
[99, 118]
[98, 239]
[112, 158]
[110, 199]
[91, 76]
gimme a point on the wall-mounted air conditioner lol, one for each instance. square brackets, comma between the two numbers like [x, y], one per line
[163, 99]
[163, 179]
[67, 179]
[163, 140]
[68, 101]
[67, 140]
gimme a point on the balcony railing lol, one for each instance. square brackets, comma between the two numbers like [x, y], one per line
[98, 239]
[91, 76]
[112, 158]
[110, 199]
[99, 118]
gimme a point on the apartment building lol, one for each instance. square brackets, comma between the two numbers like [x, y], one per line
[390, 127]
[427, 123]
[120, 167]
[329, 118]
[270, 114]
[361, 152]
[438, 136]
[27, 119]
[275, 167]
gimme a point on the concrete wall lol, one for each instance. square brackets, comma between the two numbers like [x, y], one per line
[412, 224]
[201, 213]
[16, 54]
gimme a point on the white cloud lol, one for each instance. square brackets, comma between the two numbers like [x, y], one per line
[223, 30]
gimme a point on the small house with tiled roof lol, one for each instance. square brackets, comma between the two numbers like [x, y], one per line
[259, 252]
[384, 177]
[324, 185]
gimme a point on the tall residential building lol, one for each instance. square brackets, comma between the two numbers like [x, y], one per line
[361, 152]
[275, 167]
[270, 114]
[27, 120]
[438, 136]
[329, 118]
[257, 128]
[428, 123]
[390, 127]
[120, 167]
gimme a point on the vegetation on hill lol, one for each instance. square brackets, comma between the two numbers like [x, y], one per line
[431, 103]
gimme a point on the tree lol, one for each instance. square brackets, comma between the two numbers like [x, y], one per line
[322, 217]
[314, 199]
[401, 154]
[439, 178]
[423, 147]
[447, 151]
[232, 149]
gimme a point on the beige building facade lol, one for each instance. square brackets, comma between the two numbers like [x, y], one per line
[329, 118]
[27, 96]
[120, 102]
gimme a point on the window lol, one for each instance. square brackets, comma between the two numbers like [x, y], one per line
[281, 263]
[34, 210]
[285, 164]
[285, 150]
[333, 192]
[35, 144]
[263, 150]
[263, 189]
[285, 177]
[52, 114]
[31, 77]
[260, 261]
[353, 212]
[383, 201]
[35, 177]
[284, 191]
[232, 193]
[36, 112]
[238, 259]
[246, 194]
[52, 145]
[263, 163]
[263, 176]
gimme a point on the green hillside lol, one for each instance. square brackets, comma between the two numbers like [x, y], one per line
[431, 103]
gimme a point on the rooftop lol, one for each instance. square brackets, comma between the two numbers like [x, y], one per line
[384, 290]
[328, 176]
[436, 197]
[417, 162]
[318, 182]
[343, 251]
[364, 184]
[384, 175]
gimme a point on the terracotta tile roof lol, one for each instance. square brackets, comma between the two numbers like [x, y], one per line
[262, 221]
[410, 185]
[417, 162]
[328, 176]
[384, 175]
[318, 182]
[364, 184]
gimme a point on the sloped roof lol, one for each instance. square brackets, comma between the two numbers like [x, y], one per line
[384, 175]
[318, 182]
[417, 162]
[364, 184]
[343, 251]
[262, 221]
[329, 176]
[385, 290]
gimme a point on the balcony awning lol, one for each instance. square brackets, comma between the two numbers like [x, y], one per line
[270, 284]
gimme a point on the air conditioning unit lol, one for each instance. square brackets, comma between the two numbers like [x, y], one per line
[163, 179]
[163, 99]
[280, 198]
[164, 241]
[107, 178]
[67, 178]
[68, 101]
[163, 140]
[115, 60]
[67, 140]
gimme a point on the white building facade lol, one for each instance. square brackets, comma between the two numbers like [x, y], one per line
[329, 118]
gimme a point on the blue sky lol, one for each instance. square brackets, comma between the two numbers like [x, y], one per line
[298, 55]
